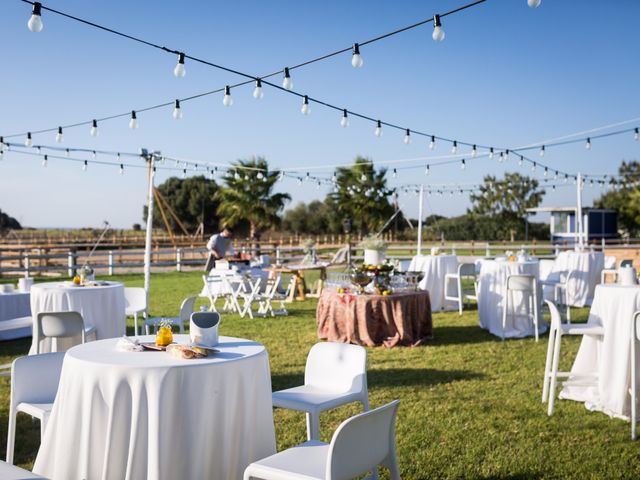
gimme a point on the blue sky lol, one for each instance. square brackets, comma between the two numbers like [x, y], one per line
[505, 75]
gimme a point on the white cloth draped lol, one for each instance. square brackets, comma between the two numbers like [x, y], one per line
[100, 306]
[613, 308]
[435, 267]
[148, 415]
[588, 267]
[491, 294]
[14, 305]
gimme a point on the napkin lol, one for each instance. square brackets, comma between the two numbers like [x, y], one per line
[125, 344]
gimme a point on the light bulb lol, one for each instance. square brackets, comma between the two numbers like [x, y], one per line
[356, 58]
[534, 3]
[318, 187]
[84, 166]
[546, 171]
[555, 175]
[35, 21]
[432, 143]
[378, 131]
[287, 83]
[334, 178]
[491, 153]
[246, 177]
[177, 111]
[184, 173]
[438, 32]
[363, 178]
[66, 152]
[542, 151]
[636, 134]
[257, 92]
[179, 71]
[506, 155]
[121, 169]
[45, 161]
[1, 154]
[59, 135]
[474, 152]
[260, 176]
[93, 154]
[407, 137]
[94, 129]
[299, 181]
[566, 178]
[427, 170]
[28, 142]
[553, 187]
[501, 157]
[454, 147]
[520, 160]
[533, 167]
[133, 123]
[463, 164]
[587, 145]
[236, 175]
[344, 121]
[395, 173]
[306, 109]
[307, 177]
[227, 101]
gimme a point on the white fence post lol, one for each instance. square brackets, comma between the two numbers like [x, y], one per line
[178, 259]
[27, 264]
[71, 263]
[453, 250]
[487, 251]
[278, 258]
[110, 261]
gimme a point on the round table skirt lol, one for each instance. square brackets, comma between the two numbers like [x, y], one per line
[146, 415]
[398, 319]
[14, 305]
[588, 268]
[435, 268]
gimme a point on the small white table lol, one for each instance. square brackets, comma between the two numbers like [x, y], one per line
[588, 268]
[491, 295]
[130, 415]
[14, 305]
[435, 268]
[613, 308]
[101, 306]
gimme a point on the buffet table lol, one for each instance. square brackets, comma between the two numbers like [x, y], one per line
[609, 356]
[300, 285]
[101, 306]
[398, 319]
[14, 305]
[148, 415]
[435, 268]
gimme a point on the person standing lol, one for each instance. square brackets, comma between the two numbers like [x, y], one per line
[219, 245]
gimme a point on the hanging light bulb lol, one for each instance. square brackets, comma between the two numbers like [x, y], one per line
[306, 109]
[427, 170]
[506, 155]
[287, 83]
[520, 160]
[133, 123]
[299, 181]
[491, 153]
[474, 152]
[94, 129]
[533, 166]
[636, 134]
[501, 158]
[566, 178]
[236, 175]
[66, 152]
[93, 154]
[177, 111]
[184, 173]
[179, 71]
[378, 131]
[553, 187]
[45, 161]
[257, 92]
[587, 144]
[555, 175]
[395, 173]
[463, 164]
[438, 32]
[356, 58]
[407, 137]
[534, 3]
[85, 165]
[546, 171]
[318, 186]
[307, 177]
[121, 169]
[542, 151]
[432, 143]
[344, 121]
[28, 142]
[363, 178]
[227, 101]
[59, 135]
[260, 176]
[35, 21]
[454, 147]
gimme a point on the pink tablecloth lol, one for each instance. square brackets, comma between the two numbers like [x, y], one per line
[369, 320]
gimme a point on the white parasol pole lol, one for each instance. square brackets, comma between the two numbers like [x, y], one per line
[579, 226]
[420, 205]
[147, 244]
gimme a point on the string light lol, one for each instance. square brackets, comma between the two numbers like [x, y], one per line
[356, 58]
[94, 129]
[66, 152]
[257, 92]
[432, 143]
[259, 175]
[133, 123]
[85, 165]
[407, 137]
[29, 141]
[299, 182]
[636, 134]
[177, 111]
[395, 173]
[45, 161]
[427, 170]
[438, 32]
[236, 175]
[542, 151]
[463, 164]
[184, 173]
[35, 21]
[227, 101]
[287, 83]
[93, 154]
[506, 155]
[59, 135]
[546, 171]
[378, 131]
[344, 121]
[334, 177]
[520, 161]
[363, 178]
[474, 152]
[180, 71]
[454, 147]
[306, 109]
[491, 153]
[318, 186]
[121, 169]
[533, 167]
[587, 145]
[534, 3]
[501, 158]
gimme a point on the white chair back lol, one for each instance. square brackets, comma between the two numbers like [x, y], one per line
[522, 283]
[609, 262]
[338, 367]
[34, 378]
[135, 299]
[556, 319]
[363, 442]
[58, 325]
[467, 270]
[186, 309]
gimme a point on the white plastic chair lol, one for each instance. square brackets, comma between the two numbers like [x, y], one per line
[265, 300]
[34, 383]
[526, 285]
[359, 445]
[551, 374]
[335, 374]
[60, 325]
[186, 309]
[466, 271]
[635, 347]
[135, 299]
[248, 291]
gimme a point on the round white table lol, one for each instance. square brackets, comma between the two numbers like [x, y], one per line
[148, 415]
[435, 267]
[101, 306]
[588, 268]
[491, 295]
[613, 308]
[14, 305]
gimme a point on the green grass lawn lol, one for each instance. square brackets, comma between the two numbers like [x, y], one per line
[470, 404]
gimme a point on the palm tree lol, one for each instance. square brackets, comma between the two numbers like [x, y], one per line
[247, 196]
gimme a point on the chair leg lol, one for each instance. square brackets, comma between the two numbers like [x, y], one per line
[553, 380]
[135, 324]
[505, 307]
[534, 299]
[460, 299]
[11, 436]
[313, 426]
[547, 366]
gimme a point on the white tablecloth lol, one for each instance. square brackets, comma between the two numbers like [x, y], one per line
[435, 267]
[613, 308]
[146, 415]
[102, 307]
[491, 294]
[217, 287]
[588, 267]
[14, 305]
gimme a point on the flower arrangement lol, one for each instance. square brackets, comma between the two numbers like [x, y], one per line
[371, 242]
[308, 245]
[164, 336]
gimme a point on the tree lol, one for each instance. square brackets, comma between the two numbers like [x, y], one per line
[625, 198]
[247, 196]
[362, 195]
[192, 200]
[7, 222]
[315, 218]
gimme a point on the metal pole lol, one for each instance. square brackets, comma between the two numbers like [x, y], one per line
[147, 243]
[579, 231]
[420, 205]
